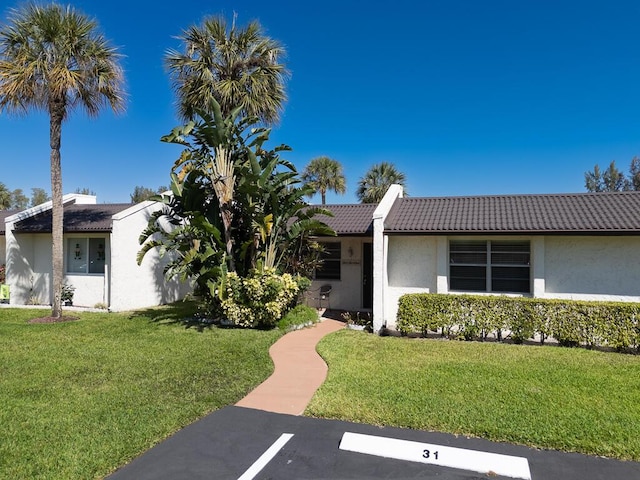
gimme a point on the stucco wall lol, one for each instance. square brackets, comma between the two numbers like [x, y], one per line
[411, 268]
[19, 263]
[565, 267]
[346, 293]
[134, 286]
[592, 268]
[91, 289]
[29, 273]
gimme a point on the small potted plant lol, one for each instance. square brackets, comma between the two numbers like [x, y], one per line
[358, 321]
[67, 294]
[4, 289]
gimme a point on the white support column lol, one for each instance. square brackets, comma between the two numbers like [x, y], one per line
[442, 265]
[380, 255]
[537, 258]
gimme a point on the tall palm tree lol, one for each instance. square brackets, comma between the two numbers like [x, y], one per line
[52, 58]
[375, 183]
[322, 174]
[239, 67]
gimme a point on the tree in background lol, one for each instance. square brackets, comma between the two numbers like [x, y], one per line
[375, 183]
[38, 196]
[5, 197]
[238, 67]
[85, 191]
[19, 200]
[140, 193]
[53, 58]
[611, 180]
[323, 174]
[633, 180]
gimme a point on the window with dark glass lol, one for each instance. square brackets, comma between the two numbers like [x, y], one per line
[85, 255]
[331, 259]
[490, 266]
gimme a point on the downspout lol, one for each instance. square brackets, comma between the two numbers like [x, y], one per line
[107, 271]
[380, 255]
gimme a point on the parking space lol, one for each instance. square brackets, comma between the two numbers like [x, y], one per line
[247, 444]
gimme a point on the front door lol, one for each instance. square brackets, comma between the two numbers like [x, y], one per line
[367, 275]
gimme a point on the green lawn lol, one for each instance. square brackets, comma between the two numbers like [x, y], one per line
[79, 399]
[548, 397]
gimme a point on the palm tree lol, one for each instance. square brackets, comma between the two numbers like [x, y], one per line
[239, 67]
[375, 183]
[52, 58]
[322, 174]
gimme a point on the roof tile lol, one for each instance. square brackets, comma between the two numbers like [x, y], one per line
[611, 212]
[77, 218]
[353, 219]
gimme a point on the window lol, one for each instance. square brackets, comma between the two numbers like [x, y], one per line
[490, 266]
[330, 269]
[85, 255]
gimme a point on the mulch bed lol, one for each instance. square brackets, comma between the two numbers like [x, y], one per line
[65, 318]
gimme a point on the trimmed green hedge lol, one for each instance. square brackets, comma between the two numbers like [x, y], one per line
[610, 324]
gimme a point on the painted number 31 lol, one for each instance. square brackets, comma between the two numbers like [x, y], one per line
[429, 454]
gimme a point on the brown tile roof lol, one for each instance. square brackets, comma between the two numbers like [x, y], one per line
[353, 219]
[599, 213]
[77, 218]
[3, 215]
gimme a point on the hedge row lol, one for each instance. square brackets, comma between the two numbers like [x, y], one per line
[610, 324]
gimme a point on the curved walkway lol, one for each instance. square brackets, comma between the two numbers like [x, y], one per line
[299, 371]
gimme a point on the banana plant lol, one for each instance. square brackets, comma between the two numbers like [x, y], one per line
[234, 204]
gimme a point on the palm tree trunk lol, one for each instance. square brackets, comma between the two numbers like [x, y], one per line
[57, 248]
[227, 218]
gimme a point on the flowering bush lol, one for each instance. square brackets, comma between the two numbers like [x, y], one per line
[259, 300]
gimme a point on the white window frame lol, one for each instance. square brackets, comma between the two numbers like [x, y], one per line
[85, 250]
[319, 274]
[488, 265]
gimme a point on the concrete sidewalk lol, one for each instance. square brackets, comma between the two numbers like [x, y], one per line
[299, 371]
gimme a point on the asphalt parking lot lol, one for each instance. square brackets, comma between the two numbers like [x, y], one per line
[247, 444]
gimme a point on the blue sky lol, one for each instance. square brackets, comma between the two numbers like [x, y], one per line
[465, 97]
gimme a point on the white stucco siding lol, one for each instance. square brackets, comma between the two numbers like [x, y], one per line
[592, 268]
[42, 269]
[412, 262]
[346, 293]
[132, 285]
[29, 268]
[89, 289]
[19, 263]
[412, 268]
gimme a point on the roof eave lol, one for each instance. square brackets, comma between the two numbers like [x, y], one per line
[514, 232]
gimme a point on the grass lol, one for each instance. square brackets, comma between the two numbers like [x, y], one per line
[546, 397]
[79, 399]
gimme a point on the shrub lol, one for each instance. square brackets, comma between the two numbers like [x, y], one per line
[260, 299]
[299, 316]
[571, 323]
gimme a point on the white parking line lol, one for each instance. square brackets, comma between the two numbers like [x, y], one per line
[473, 460]
[266, 457]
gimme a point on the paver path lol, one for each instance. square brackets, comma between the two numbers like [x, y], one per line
[299, 371]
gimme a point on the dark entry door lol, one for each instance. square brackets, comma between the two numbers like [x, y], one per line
[367, 275]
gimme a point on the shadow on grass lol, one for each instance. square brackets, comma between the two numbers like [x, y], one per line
[188, 313]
